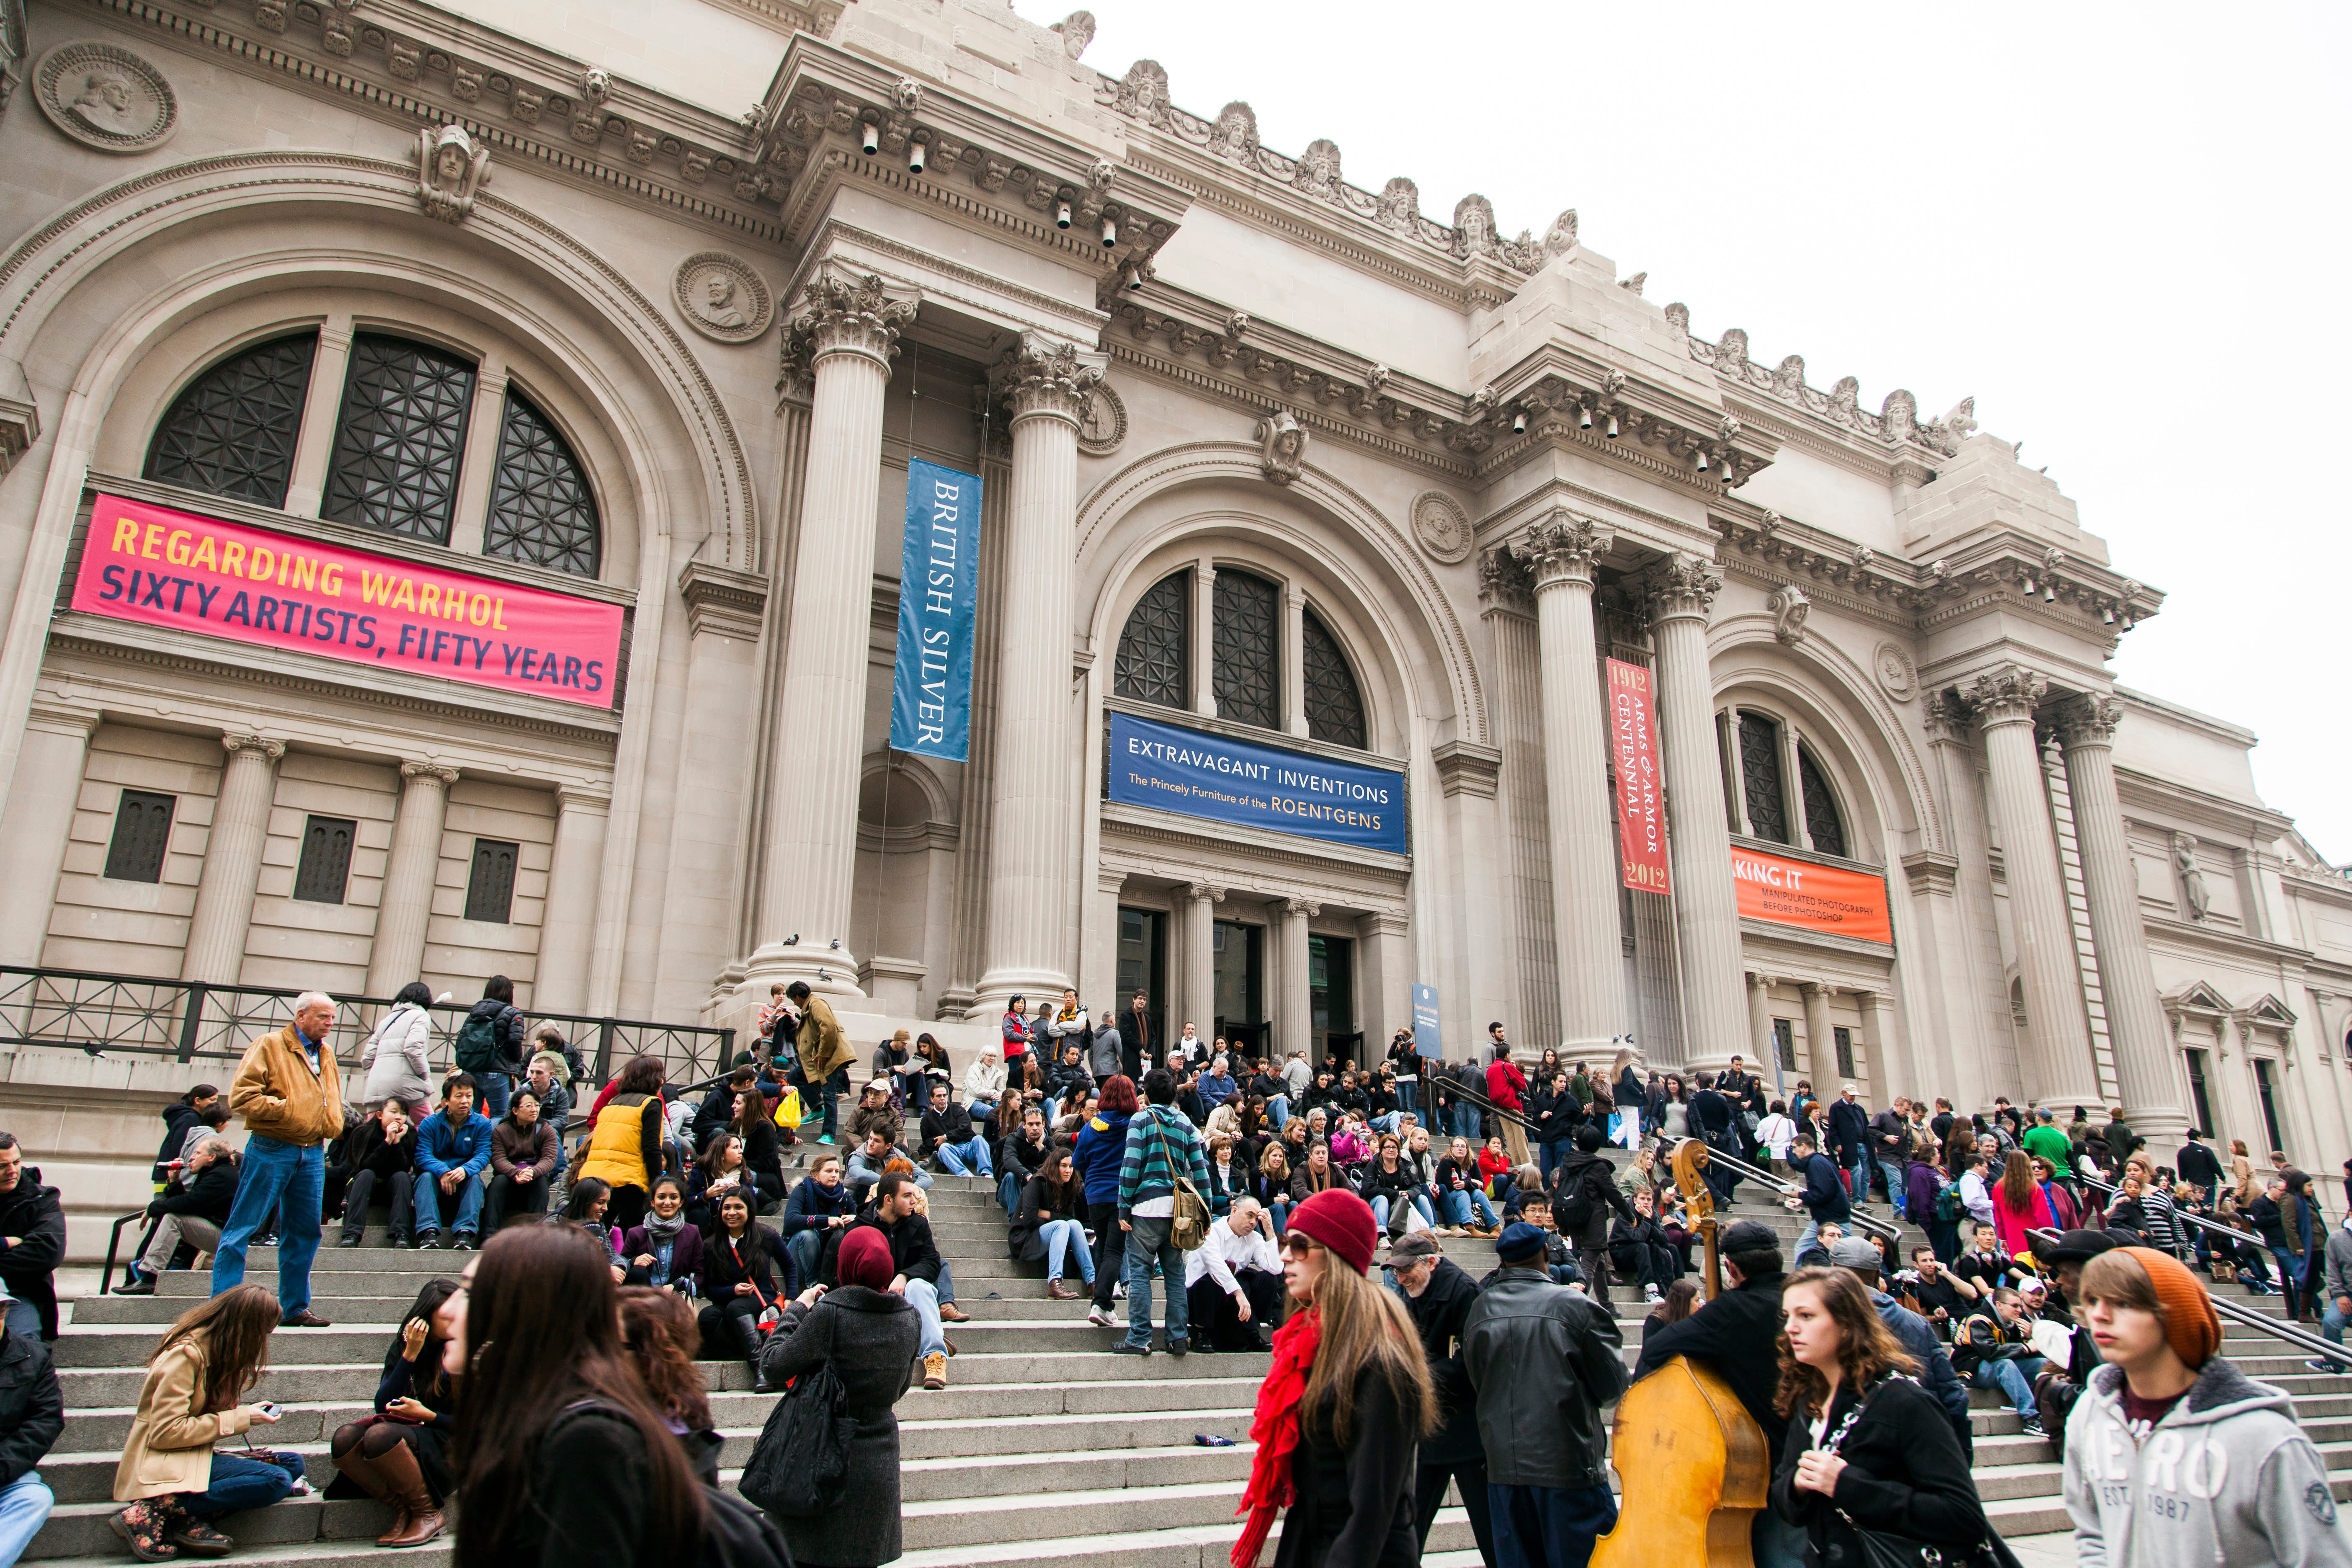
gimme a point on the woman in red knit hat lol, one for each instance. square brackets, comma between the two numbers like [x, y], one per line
[1342, 1408]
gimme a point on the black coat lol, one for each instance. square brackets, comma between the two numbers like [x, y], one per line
[178, 1117]
[1736, 1337]
[1354, 1505]
[36, 1216]
[1904, 1475]
[1545, 1360]
[912, 1253]
[32, 1409]
[210, 1196]
[1439, 1312]
[365, 1149]
[869, 1338]
[590, 1499]
[727, 1264]
[1849, 1127]
[1022, 1240]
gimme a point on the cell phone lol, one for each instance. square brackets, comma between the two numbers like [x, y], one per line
[268, 1407]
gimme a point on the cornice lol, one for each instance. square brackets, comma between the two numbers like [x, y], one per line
[1897, 429]
[2187, 717]
[790, 17]
[722, 601]
[2234, 818]
[2181, 936]
[982, 289]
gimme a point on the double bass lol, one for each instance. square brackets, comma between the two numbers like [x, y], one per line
[1691, 1463]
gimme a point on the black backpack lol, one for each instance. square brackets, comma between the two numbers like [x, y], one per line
[478, 1042]
[1578, 1205]
[801, 1459]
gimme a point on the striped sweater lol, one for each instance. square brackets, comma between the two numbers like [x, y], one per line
[1145, 1172]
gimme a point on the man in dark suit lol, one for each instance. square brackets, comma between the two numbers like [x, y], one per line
[1135, 1038]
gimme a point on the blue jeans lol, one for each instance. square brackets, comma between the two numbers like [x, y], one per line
[1459, 1204]
[292, 1180]
[1062, 1237]
[806, 1249]
[239, 1483]
[429, 1205]
[493, 1089]
[1148, 1244]
[2332, 1322]
[1409, 1095]
[24, 1318]
[830, 1093]
[969, 1158]
[1385, 1123]
[1008, 1189]
[2014, 1378]
[1548, 1527]
[1278, 1211]
[24, 1508]
[1277, 1110]
[926, 1298]
[1381, 1209]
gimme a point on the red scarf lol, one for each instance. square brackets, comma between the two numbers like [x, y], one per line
[1275, 1429]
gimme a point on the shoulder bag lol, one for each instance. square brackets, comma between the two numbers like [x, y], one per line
[1883, 1548]
[1188, 1229]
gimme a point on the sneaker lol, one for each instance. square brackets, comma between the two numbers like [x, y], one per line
[1650, 1295]
[1101, 1317]
[2317, 1364]
[1128, 1347]
[462, 1242]
[2033, 1428]
[1119, 1291]
[427, 1240]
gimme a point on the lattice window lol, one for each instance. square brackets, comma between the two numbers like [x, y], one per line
[1245, 656]
[399, 438]
[489, 888]
[1154, 660]
[1335, 707]
[542, 510]
[325, 869]
[143, 831]
[232, 432]
[1784, 1044]
[1760, 774]
[1822, 818]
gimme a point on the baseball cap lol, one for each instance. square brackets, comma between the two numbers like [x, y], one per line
[1413, 1248]
[1748, 1235]
[1854, 1252]
[1519, 1242]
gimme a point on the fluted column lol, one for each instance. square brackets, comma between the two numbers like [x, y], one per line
[2058, 1071]
[39, 821]
[1760, 1025]
[1706, 906]
[2144, 1061]
[1198, 913]
[1031, 901]
[1585, 928]
[1821, 1043]
[405, 905]
[216, 950]
[1297, 1021]
[846, 328]
[574, 869]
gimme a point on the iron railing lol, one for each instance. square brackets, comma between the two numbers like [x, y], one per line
[2237, 1311]
[189, 1021]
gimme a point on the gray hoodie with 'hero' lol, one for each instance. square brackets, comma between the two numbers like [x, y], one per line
[2226, 1479]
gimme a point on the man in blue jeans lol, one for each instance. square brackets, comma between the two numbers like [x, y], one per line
[1160, 1147]
[32, 1418]
[2337, 1283]
[453, 1149]
[1986, 1350]
[287, 1090]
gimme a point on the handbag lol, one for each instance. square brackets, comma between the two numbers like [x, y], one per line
[1885, 1549]
[802, 1460]
[1188, 1226]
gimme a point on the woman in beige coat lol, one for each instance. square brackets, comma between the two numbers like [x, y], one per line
[170, 1476]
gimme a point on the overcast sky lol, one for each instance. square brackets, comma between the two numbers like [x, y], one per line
[2121, 229]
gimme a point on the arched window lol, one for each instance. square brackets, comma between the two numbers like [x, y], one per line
[1760, 777]
[399, 438]
[1154, 646]
[1245, 658]
[1335, 707]
[232, 432]
[542, 510]
[1822, 820]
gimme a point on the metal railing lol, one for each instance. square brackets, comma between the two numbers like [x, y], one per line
[189, 1021]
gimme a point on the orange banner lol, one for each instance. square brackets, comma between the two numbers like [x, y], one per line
[1793, 892]
[1634, 746]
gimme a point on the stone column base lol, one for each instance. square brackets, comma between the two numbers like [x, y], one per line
[831, 972]
[1000, 985]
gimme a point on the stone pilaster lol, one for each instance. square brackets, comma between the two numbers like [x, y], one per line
[846, 328]
[2058, 1071]
[2152, 1090]
[1031, 901]
[216, 950]
[1761, 1051]
[575, 871]
[39, 821]
[1293, 1030]
[1706, 909]
[404, 907]
[1507, 593]
[1197, 908]
[1588, 940]
[1820, 1066]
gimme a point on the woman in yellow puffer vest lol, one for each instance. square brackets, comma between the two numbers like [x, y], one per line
[626, 1144]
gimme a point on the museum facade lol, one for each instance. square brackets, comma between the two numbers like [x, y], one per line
[454, 484]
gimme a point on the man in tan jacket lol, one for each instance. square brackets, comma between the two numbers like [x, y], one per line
[287, 1090]
[823, 1053]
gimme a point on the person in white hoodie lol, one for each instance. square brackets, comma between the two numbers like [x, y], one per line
[983, 1085]
[395, 1054]
[2174, 1457]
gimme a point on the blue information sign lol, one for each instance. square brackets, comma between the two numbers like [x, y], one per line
[1424, 1022]
[1227, 780]
[939, 588]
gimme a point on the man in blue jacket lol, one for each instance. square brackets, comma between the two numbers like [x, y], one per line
[452, 1147]
[1824, 1197]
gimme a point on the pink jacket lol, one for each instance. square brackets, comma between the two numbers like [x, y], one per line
[2013, 1224]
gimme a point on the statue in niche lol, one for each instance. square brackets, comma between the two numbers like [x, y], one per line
[2194, 891]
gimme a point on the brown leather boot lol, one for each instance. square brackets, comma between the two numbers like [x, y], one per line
[420, 1513]
[364, 1475]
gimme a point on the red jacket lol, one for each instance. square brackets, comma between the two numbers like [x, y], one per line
[1504, 1083]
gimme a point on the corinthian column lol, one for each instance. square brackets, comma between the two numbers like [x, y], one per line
[216, 950]
[2126, 980]
[2058, 1071]
[1561, 550]
[405, 905]
[1295, 1024]
[1030, 897]
[846, 328]
[1706, 906]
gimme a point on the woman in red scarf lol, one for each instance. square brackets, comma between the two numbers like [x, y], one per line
[1342, 1408]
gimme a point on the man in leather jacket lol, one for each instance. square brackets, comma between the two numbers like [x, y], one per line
[1439, 1296]
[1543, 1360]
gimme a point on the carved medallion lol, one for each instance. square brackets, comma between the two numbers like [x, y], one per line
[1103, 425]
[1439, 523]
[103, 96]
[1897, 676]
[723, 297]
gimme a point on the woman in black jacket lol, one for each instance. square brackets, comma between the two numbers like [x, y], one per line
[379, 1154]
[1390, 1185]
[764, 1149]
[400, 1456]
[739, 1283]
[1050, 1223]
[1868, 1445]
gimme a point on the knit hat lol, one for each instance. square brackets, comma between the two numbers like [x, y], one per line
[1340, 1221]
[1520, 1243]
[864, 1259]
[2190, 1324]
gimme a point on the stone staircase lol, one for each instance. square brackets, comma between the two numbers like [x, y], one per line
[1045, 1448]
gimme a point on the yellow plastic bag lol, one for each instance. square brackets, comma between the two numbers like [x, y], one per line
[788, 1110]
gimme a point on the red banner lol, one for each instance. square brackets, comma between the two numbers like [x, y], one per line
[165, 568]
[1818, 898]
[1641, 813]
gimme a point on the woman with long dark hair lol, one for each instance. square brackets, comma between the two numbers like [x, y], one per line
[658, 1329]
[1101, 1147]
[561, 1456]
[718, 1170]
[1868, 1447]
[1048, 1227]
[400, 1455]
[764, 1149]
[170, 1474]
[2018, 1204]
[625, 1148]
[740, 1259]
[1342, 1408]
[666, 1251]
[585, 1209]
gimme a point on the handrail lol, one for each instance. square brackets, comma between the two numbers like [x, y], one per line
[1740, 1168]
[114, 1243]
[2277, 1328]
[2178, 1214]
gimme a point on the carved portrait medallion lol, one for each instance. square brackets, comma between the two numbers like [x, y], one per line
[1439, 523]
[723, 297]
[1896, 678]
[1103, 425]
[103, 96]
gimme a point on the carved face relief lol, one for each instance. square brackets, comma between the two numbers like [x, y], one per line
[105, 96]
[1442, 527]
[449, 166]
[723, 296]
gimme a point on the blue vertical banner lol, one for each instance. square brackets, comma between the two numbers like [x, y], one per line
[939, 592]
[1424, 1022]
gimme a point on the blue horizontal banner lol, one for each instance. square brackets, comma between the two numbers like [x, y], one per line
[1171, 768]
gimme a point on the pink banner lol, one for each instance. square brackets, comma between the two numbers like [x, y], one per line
[1633, 741]
[165, 568]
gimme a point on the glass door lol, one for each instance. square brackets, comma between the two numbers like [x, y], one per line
[1237, 954]
[1142, 967]
[1331, 1000]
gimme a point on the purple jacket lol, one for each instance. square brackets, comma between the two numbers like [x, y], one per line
[1920, 1192]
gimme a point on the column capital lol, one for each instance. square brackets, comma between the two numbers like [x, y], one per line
[269, 750]
[1306, 907]
[1945, 716]
[840, 311]
[1810, 989]
[2006, 695]
[570, 797]
[63, 718]
[1560, 548]
[2089, 720]
[1045, 377]
[440, 774]
[1683, 585]
[1205, 892]
[1504, 583]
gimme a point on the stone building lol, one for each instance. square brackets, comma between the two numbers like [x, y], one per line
[455, 465]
